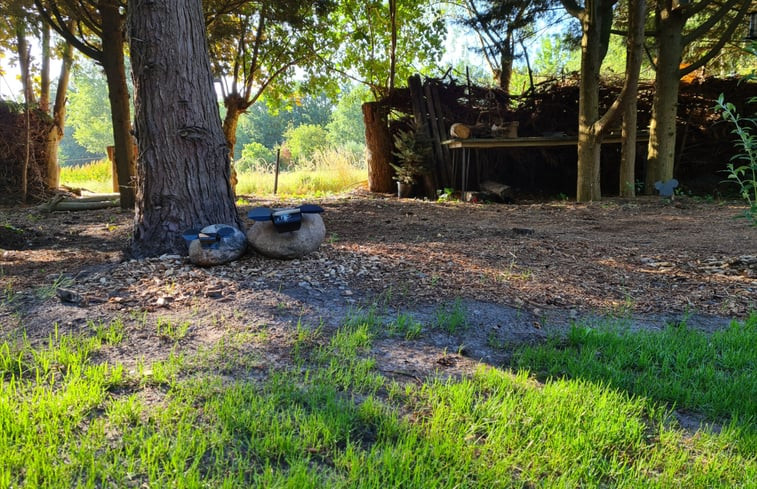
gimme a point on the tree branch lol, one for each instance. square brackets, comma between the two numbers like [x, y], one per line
[715, 49]
[713, 19]
[59, 25]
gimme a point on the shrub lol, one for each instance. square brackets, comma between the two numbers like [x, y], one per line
[255, 156]
[303, 141]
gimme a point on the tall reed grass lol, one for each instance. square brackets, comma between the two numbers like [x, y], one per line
[330, 171]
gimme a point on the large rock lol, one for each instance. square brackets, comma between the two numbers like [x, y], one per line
[228, 248]
[266, 240]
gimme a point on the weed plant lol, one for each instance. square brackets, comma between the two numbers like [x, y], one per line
[742, 169]
[452, 318]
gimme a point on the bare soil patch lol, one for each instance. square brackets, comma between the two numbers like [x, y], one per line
[517, 271]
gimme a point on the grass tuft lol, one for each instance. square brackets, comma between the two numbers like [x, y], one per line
[714, 374]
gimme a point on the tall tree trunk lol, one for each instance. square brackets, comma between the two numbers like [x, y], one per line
[52, 175]
[378, 142]
[506, 58]
[634, 53]
[118, 95]
[589, 140]
[44, 74]
[662, 127]
[183, 160]
[235, 105]
[393, 44]
[24, 62]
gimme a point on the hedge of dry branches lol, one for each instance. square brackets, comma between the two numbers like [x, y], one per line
[15, 131]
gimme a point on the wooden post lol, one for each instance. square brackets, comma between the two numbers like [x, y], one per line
[276, 175]
[430, 181]
[111, 150]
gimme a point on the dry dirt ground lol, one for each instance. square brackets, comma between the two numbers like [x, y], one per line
[517, 272]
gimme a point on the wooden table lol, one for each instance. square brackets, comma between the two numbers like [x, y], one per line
[465, 145]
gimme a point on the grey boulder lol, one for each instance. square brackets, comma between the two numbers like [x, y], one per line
[266, 240]
[228, 248]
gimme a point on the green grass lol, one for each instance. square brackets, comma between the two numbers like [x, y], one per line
[96, 177]
[330, 172]
[334, 421]
[714, 374]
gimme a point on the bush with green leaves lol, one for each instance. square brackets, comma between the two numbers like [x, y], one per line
[255, 156]
[304, 140]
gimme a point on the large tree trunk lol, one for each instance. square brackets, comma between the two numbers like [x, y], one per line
[378, 141]
[52, 175]
[183, 177]
[118, 94]
[662, 127]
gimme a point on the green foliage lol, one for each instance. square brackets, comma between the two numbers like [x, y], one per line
[264, 48]
[452, 318]
[267, 121]
[255, 156]
[330, 171]
[555, 58]
[72, 153]
[742, 169]
[96, 177]
[346, 123]
[412, 153]
[363, 31]
[304, 140]
[88, 110]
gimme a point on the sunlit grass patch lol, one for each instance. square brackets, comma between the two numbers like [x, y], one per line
[96, 177]
[333, 420]
[329, 172]
[714, 374]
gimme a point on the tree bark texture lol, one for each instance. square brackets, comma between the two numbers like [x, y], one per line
[52, 175]
[589, 140]
[378, 141]
[506, 59]
[634, 53]
[24, 62]
[118, 94]
[235, 106]
[44, 72]
[662, 128]
[183, 164]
